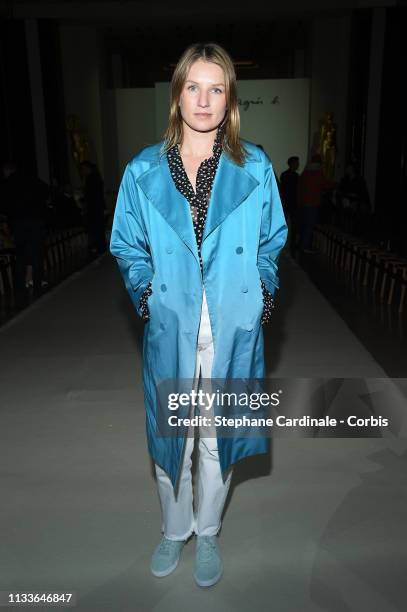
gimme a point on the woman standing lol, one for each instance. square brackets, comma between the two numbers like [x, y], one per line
[197, 233]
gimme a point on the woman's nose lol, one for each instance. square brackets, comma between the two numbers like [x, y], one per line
[203, 99]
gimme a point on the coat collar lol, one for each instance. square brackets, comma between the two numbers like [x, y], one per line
[232, 185]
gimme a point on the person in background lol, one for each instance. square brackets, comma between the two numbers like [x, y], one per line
[95, 208]
[24, 202]
[289, 196]
[311, 185]
[66, 212]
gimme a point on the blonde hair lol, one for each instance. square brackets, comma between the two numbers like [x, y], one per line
[209, 52]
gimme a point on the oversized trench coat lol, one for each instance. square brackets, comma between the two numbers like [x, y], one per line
[153, 239]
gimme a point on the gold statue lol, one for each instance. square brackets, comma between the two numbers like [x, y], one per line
[79, 143]
[327, 145]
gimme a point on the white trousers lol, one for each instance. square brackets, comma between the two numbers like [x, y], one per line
[179, 520]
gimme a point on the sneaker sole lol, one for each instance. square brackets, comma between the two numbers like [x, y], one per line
[208, 583]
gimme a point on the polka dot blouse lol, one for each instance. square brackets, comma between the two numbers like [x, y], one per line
[198, 202]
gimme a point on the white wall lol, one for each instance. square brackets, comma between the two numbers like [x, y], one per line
[162, 107]
[135, 117]
[275, 114]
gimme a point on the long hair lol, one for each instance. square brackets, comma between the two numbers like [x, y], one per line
[210, 52]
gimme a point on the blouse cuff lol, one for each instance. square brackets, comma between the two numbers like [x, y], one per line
[268, 305]
[143, 305]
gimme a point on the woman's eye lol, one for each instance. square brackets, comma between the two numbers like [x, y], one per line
[193, 87]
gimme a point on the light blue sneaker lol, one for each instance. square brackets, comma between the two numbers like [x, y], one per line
[208, 563]
[166, 556]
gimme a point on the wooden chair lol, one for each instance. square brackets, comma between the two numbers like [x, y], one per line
[398, 275]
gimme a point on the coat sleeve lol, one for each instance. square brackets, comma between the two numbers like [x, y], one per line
[129, 240]
[273, 231]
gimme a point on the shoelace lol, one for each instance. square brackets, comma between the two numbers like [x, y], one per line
[205, 550]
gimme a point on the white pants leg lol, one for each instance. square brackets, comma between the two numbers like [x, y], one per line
[179, 521]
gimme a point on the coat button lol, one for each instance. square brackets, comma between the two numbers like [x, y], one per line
[239, 250]
[244, 289]
[169, 249]
[249, 327]
[162, 326]
[163, 287]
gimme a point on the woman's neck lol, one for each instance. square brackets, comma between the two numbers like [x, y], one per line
[197, 144]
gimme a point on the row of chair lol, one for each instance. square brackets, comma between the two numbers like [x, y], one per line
[64, 251]
[371, 266]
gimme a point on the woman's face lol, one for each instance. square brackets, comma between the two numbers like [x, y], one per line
[203, 98]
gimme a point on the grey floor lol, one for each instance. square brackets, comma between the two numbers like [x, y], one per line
[318, 525]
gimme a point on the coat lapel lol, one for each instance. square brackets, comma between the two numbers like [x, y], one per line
[158, 185]
[232, 185]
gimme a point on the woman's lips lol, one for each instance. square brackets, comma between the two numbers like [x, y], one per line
[202, 115]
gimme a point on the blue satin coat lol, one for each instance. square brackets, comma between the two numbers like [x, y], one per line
[153, 239]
